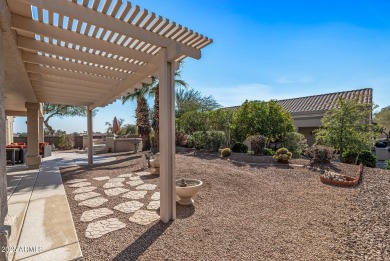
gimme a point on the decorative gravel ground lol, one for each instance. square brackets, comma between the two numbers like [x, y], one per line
[243, 212]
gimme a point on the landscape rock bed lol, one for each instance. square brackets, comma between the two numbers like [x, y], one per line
[244, 212]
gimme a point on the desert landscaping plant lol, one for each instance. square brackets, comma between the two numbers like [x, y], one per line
[365, 157]
[181, 139]
[282, 155]
[383, 118]
[239, 147]
[259, 117]
[347, 127]
[258, 143]
[192, 121]
[268, 152]
[319, 154]
[296, 143]
[209, 140]
[387, 165]
[66, 142]
[226, 152]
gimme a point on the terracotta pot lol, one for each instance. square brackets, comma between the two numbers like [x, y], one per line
[348, 182]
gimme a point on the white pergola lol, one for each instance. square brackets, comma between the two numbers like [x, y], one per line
[90, 53]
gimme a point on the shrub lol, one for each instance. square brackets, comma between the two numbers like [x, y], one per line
[258, 144]
[387, 164]
[296, 143]
[259, 117]
[319, 154]
[366, 158]
[193, 121]
[181, 139]
[282, 155]
[209, 140]
[268, 152]
[226, 152]
[240, 147]
[66, 142]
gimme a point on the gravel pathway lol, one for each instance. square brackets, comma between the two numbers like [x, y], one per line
[243, 212]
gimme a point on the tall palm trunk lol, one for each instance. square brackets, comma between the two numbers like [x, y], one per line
[143, 124]
[156, 116]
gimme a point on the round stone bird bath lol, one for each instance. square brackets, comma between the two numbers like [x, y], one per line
[186, 189]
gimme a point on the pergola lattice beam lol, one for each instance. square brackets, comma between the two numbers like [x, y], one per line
[65, 87]
[35, 68]
[90, 16]
[148, 69]
[38, 46]
[28, 25]
[68, 81]
[43, 60]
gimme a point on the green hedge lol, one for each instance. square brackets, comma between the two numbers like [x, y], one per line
[209, 140]
[366, 158]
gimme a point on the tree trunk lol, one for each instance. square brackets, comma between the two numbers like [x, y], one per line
[145, 142]
[49, 128]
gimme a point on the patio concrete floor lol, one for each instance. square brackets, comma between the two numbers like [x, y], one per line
[41, 223]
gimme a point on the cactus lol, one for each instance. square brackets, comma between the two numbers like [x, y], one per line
[282, 155]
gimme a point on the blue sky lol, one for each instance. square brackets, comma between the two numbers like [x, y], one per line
[273, 50]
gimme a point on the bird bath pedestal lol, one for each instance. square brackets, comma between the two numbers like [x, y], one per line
[186, 189]
[155, 162]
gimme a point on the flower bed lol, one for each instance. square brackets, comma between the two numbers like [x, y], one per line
[331, 178]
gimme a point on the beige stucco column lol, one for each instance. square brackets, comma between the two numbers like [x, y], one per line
[9, 129]
[41, 136]
[3, 171]
[33, 158]
[167, 138]
[90, 136]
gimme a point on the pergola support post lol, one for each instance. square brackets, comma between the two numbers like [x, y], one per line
[4, 230]
[90, 137]
[33, 158]
[41, 130]
[167, 138]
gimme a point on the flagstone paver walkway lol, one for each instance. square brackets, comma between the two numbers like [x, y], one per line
[79, 185]
[146, 187]
[129, 207]
[95, 214]
[135, 194]
[102, 227]
[84, 189]
[85, 196]
[113, 185]
[144, 217]
[76, 181]
[134, 183]
[93, 202]
[129, 185]
[101, 178]
[154, 205]
[115, 191]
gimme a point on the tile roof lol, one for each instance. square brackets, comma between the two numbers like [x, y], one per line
[324, 101]
[321, 102]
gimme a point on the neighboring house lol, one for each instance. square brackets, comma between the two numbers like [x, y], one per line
[307, 112]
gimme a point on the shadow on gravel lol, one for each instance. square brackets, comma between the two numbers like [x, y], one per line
[73, 171]
[183, 212]
[142, 243]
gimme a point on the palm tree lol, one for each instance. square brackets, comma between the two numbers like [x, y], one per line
[141, 112]
[155, 89]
